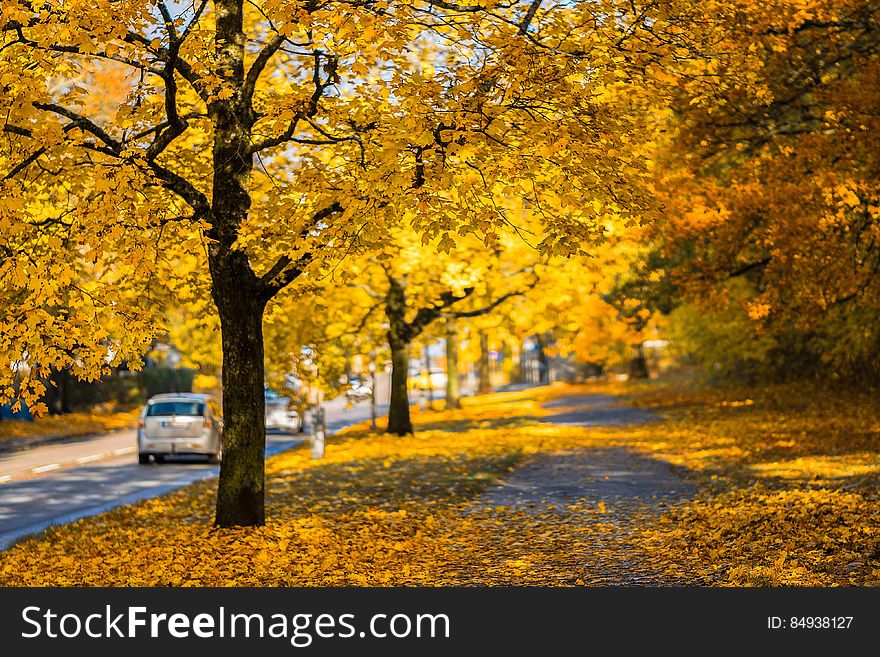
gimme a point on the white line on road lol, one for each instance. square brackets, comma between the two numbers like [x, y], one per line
[9, 537]
[46, 468]
[89, 459]
[124, 450]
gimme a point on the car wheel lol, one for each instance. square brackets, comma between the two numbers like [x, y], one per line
[143, 459]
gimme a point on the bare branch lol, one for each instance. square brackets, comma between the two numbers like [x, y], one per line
[83, 123]
[529, 17]
[256, 69]
[286, 270]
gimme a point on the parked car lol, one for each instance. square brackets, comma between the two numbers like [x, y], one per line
[180, 423]
[279, 415]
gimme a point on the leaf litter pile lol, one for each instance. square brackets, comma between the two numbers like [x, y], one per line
[785, 493]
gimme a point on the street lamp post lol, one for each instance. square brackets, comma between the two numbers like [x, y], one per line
[372, 368]
[429, 391]
[319, 424]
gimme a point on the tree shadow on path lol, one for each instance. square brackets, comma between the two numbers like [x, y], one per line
[601, 495]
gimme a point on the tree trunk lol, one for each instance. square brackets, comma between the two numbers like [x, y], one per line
[399, 339]
[59, 393]
[485, 383]
[236, 290]
[453, 393]
[638, 364]
[240, 496]
[373, 390]
[399, 421]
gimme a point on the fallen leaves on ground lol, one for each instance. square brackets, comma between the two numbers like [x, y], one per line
[380, 510]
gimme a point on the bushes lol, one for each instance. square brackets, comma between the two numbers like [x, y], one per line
[121, 388]
[157, 380]
[842, 344]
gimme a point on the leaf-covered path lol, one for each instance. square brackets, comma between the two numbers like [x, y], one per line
[537, 487]
[627, 488]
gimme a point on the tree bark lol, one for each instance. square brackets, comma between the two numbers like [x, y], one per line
[453, 393]
[399, 339]
[240, 496]
[485, 383]
[399, 421]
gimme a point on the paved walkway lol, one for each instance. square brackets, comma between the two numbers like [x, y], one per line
[630, 487]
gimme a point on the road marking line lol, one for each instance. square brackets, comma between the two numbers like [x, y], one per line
[5, 478]
[87, 459]
[46, 468]
[124, 450]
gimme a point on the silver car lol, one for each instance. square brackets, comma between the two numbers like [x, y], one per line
[279, 415]
[180, 423]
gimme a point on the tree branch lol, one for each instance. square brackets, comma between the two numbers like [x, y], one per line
[425, 316]
[529, 17]
[170, 30]
[752, 266]
[312, 107]
[184, 189]
[487, 309]
[194, 21]
[497, 302]
[170, 180]
[286, 270]
[177, 125]
[24, 164]
[256, 69]
[83, 123]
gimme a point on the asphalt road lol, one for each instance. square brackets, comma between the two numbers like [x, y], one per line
[59, 483]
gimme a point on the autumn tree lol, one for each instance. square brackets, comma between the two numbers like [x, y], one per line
[416, 284]
[772, 219]
[267, 138]
[312, 334]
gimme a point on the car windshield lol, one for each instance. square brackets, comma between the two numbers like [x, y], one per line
[176, 408]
